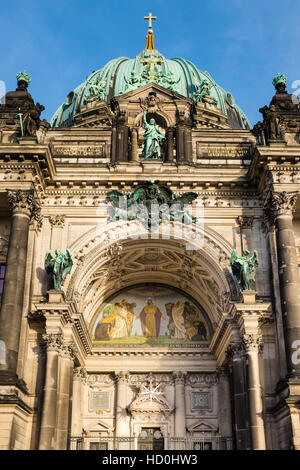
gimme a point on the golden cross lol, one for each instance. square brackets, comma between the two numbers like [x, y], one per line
[150, 18]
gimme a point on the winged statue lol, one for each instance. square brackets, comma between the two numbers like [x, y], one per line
[244, 267]
[58, 267]
[139, 205]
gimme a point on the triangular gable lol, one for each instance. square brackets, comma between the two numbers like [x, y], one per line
[150, 87]
[202, 426]
[99, 426]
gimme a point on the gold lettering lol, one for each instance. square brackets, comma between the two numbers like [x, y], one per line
[81, 150]
[224, 152]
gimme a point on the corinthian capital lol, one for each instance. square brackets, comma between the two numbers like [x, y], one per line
[235, 350]
[179, 377]
[53, 342]
[252, 342]
[24, 202]
[57, 220]
[281, 203]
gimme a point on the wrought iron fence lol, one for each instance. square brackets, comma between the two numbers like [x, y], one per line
[205, 441]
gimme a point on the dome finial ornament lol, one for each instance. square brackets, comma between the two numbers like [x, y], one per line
[150, 38]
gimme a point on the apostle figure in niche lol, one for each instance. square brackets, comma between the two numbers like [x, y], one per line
[153, 138]
[150, 318]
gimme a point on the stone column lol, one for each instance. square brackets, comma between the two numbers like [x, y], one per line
[122, 427]
[281, 207]
[64, 395]
[134, 145]
[114, 143]
[180, 424]
[76, 424]
[180, 143]
[269, 229]
[23, 207]
[224, 402]
[53, 344]
[188, 153]
[170, 150]
[252, 344]
[235, 354]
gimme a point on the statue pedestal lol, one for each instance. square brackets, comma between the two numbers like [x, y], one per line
[27, 140]
[56, 296]
[249, 296]
[152, 166]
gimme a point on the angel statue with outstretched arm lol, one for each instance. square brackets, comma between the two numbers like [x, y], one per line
[244, 267]
[57, 268]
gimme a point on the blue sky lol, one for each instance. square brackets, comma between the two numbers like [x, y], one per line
[242, 44]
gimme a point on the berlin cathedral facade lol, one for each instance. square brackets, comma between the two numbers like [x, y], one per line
[149, 264]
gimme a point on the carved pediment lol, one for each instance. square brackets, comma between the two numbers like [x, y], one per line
[96, 427]
[202, 426]
[143, 91]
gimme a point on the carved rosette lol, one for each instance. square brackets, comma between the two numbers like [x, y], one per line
[282, 203]
[23, 202]
[253, 343]
[195, 380]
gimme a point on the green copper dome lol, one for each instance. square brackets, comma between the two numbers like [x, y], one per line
[122, 75]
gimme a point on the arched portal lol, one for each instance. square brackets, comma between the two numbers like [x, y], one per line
[151, 307]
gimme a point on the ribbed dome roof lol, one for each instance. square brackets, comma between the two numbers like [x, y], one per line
[122, 75]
